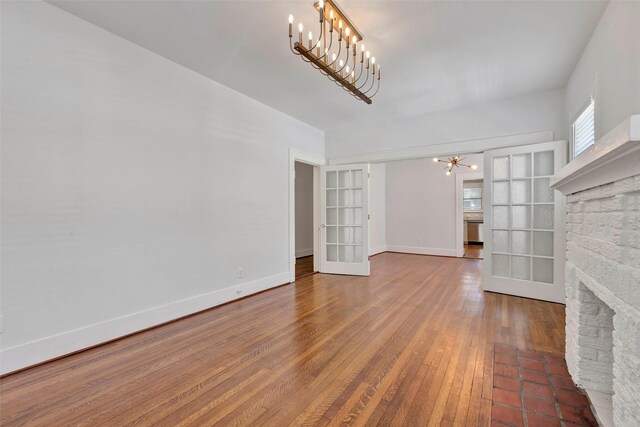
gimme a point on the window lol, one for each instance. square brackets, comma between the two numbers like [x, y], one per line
[584, 130]
[472, 199]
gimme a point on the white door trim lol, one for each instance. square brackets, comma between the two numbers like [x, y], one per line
[460, 178]
[313, 160]
[461, 147]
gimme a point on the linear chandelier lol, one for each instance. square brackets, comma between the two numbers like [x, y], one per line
[454, 162]
[322, 54]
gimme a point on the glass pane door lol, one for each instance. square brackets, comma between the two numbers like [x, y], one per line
[346, 225]
[523, 221]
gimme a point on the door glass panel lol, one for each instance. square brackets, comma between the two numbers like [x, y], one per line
[543, 163]
[543, 270]
[344, 235]
[331, 198]
[343, 179]
[344, 253]
[332, 234]
[541, 191]
[332, 253]
[344, 216]
[332, 216]
[357, 216]
[521, 242]
[501, 241]
[521, 267]
[343, 197]
[357, 254]
[543, 217]
[500, 265]
[356, 197]
[521, 216]
[501, 193]
[356, 234]
[543, 243]
[521, 191]
[357, 178]
[501, 167]
[521, 165]
[332, 179]
[501, 217]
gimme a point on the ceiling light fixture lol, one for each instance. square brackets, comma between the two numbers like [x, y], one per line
[454, 162]
[342, 71]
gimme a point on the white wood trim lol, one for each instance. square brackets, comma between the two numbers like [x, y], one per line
[316, 161]
[460, 178]
[377, 250]
[464, 147]
[304, 252]
[613, 157]
[419, 250]
[38, 351]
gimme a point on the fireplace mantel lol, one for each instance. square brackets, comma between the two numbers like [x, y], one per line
[602, 267]
[613, 157]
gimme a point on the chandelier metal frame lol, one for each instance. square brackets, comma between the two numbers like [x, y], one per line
[454, 162]
[335, 67]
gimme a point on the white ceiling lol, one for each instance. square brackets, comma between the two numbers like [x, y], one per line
[434, 55]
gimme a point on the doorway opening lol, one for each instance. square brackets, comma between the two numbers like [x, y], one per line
[470, 204]
[473, 218]
[304, 230]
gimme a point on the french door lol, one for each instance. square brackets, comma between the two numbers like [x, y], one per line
[524, 222]
[344, 237]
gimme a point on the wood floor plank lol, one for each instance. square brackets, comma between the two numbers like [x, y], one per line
[410, 345]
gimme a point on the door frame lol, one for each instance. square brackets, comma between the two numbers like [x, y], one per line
[316, 162]
[460, 178]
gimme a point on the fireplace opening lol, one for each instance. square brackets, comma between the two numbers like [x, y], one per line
[594, 345]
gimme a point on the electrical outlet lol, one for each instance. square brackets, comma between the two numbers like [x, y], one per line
[240, 273]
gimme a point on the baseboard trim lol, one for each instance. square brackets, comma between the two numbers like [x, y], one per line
[40, 351]
[419, 250]
[304, 252]
[377, 250]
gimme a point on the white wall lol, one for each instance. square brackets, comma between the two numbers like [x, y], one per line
[377, 201]
[613, 52]
[304, 209]
[543, 111]
[132, 188]
[421, 206]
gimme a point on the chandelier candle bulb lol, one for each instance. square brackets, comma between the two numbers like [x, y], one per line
[339, 69]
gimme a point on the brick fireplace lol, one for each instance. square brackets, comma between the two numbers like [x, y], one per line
[603, 273]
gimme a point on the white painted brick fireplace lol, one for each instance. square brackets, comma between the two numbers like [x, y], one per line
[603, 273]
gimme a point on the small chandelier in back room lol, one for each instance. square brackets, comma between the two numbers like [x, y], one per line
[327, 57]
[454, 162]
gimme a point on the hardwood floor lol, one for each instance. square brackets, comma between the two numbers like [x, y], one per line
[304, 266]
[473, 251]
[410, 345]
